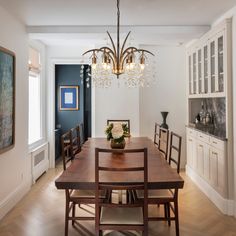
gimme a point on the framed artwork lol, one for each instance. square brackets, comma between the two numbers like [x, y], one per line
[69, 98]
[7, 99]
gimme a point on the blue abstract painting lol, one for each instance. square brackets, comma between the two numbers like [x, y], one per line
[6, 99]
[69, 96]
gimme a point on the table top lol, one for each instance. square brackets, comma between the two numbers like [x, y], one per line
[81, 173]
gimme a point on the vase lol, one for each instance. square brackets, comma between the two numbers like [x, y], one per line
[117, 145]
[164, 115]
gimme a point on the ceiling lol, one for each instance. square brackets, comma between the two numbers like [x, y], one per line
[97, 13]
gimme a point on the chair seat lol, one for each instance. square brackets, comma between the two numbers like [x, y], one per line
[85, 194]
[157, 193]
[121, 215]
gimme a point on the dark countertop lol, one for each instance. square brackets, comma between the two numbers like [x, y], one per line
[210, 130]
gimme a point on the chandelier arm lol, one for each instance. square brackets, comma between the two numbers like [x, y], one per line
[113, 45]
[123, 46]
[126, 53]
[143, 50]
[92, 50]
[108, 50]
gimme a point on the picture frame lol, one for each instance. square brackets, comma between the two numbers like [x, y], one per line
[7, 99]
[69, 98]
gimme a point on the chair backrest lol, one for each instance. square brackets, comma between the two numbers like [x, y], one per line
[127, 122]
[66, 151]
[175, 150]
[82, 137]
[100, 154]
[161, 139]
[156, 134]
[75, 140]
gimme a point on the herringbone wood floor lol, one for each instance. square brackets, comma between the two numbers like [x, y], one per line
[41, 213]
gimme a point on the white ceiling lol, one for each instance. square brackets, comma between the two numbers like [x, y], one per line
[103, 12]
[97, 13]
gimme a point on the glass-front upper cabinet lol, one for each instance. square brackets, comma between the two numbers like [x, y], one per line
[220, 41]
[194, 73]
[213, 65]
[199, 74]
[205, 68]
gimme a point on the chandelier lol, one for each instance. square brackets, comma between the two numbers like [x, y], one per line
[120, 61]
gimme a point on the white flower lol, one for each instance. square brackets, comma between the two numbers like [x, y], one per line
[117, 131]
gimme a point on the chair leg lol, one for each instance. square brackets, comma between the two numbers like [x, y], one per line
[168, 213]
[165, 211]
[176, 217]
[66, 218]
[73, 214]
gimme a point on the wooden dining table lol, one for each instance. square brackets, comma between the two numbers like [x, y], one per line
[81, 173]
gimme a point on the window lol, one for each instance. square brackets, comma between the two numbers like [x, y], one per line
[35, 117]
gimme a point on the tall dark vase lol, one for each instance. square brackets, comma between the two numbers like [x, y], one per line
[164, 115]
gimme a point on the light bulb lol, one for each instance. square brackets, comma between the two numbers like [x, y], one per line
[142, 66]
[94, 66]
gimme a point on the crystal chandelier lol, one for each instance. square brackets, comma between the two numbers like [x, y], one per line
[120, 61]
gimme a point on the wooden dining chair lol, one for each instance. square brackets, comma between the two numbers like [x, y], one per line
[121, 216]
[127, 122]
[77, 197]
[175, 150]
[66, 150]
[161, 139]
[167, 197]
[75, 140]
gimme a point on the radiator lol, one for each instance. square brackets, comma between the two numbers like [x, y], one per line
[40, 162]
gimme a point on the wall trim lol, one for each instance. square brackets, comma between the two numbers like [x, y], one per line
[51, 101]
[14, 197]
[226, 206]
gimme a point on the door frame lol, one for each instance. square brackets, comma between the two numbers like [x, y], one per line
[51, 101]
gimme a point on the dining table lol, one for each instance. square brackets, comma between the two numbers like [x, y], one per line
[81, 173]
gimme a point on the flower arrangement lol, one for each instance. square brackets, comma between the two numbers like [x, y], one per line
[117, 132]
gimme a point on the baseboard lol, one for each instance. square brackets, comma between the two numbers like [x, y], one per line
[13, 198]
[226, 206]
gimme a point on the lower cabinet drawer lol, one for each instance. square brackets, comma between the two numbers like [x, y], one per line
[203, 137]
[217, 143]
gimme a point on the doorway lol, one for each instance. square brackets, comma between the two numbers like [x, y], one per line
[65, 119]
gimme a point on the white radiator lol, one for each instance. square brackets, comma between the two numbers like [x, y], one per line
[40, 162]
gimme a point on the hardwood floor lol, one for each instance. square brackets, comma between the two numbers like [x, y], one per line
[41, 213]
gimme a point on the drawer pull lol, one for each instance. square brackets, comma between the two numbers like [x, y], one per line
[190, 139]
[200, 145]
[214, 142]
[200, 136]
[214, 153]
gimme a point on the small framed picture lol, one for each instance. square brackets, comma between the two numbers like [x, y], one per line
[69, 98]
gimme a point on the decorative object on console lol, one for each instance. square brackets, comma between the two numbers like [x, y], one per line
[164, 116]
[7, 99]
[116, 133]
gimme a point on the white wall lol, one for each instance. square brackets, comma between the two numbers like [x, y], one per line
[15, 176]
[116, 103]
[169, 94]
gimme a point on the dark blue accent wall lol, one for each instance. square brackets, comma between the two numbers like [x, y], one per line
[65, 120]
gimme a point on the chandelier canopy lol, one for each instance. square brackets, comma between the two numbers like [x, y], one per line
[119, 60]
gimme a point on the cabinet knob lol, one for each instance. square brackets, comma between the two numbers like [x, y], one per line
[214, 153]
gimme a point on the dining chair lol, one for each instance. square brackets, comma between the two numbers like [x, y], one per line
[123, 215]
[75, 140]
[66, 151]
[161, 139]
[167, 197]
[76, 197]
[127, 122]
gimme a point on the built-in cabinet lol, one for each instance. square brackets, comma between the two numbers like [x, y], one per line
[206, 156]
[207, 63]
[210, 157]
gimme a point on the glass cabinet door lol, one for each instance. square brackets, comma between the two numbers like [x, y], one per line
[194, 73]
[205, 70]
[190, 74]
[199, 60]
[220, 42]
[213, 76]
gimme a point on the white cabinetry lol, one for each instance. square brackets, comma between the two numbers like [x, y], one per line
[208, 63]
[206, 156]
